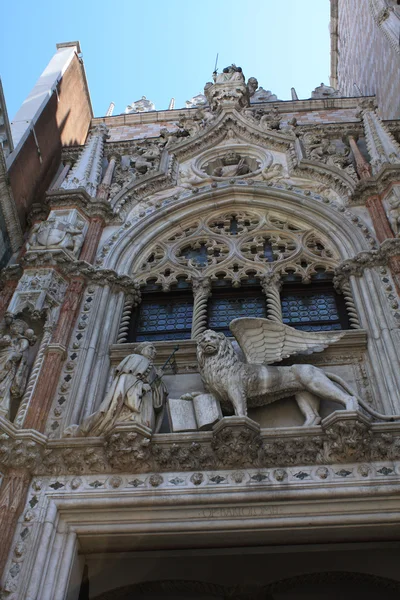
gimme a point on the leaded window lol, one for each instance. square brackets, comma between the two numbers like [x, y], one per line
[163, 317]
[314, 308]
[227, 304]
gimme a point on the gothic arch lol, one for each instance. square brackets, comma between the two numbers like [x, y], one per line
[179, 588]
[347, 237]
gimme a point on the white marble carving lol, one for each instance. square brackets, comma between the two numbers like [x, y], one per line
[382, 147]
[140, 106]
[192, 412]
[86, 173]
[63, 230]
[197, 101]
[392, 208]
[324, 91]
[37, 290]
[15, 339]
[137, 396]
[264, 342]
[262, 95]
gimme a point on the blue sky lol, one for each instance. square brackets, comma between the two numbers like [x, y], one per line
[166, 48]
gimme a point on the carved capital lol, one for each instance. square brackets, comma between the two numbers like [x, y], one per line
[348, 437]
[237, 442]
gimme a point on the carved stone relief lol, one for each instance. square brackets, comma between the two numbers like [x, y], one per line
[330, 152]
[38, 290]
[235, 245]
[15, 339]
[63, 230]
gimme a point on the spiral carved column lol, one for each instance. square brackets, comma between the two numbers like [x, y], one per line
[201, 293]
[271, 286]
[350, 306]
[125, 320]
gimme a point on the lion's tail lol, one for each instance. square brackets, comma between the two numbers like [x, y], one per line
[365, 406]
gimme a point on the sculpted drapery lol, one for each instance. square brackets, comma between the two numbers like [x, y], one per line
[137, 395]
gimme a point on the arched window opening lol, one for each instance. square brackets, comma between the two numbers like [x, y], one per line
[163, 315]
[313, 307]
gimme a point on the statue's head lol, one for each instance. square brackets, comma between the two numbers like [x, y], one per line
[146, 349]
[209, 342]
[9, 318]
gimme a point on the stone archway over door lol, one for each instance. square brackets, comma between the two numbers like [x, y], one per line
[184, 590]
[318, 586]
[333, 585]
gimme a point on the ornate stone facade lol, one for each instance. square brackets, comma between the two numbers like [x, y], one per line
[239, 206]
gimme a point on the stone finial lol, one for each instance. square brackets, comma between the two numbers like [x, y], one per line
[142, 105]
[198, 101]
[324, 91]
[86, 172]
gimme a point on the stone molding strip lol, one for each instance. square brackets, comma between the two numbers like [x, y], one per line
[235, 443]
[76, 268]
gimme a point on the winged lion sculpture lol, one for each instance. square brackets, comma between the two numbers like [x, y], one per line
[259, 382]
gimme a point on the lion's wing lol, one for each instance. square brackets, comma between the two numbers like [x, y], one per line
[265, 342]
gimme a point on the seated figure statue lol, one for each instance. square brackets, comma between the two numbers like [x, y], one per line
[231, 73]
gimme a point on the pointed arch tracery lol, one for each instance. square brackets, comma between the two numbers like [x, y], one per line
[238, 245]
[206, 215]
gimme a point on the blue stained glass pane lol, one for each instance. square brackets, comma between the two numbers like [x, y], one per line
[318, 307]
[165, 320]
[222, 311]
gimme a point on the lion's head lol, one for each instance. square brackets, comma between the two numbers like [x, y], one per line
[211, 344]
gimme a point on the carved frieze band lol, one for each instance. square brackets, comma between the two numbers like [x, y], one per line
[343, 437]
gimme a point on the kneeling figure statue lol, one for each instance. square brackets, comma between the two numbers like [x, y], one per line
[137, 395]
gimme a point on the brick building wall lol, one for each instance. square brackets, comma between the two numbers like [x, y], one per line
[365, 56]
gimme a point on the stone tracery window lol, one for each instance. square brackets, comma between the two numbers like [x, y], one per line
[238, 252]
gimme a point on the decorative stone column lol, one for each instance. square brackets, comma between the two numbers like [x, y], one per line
[13, 491]
[55, 354]
[379, 218]
[201, 293]
[87, 170]
[61, 176]
[362, 166]
[271, 285]
[37, 365]
[92, 239]
[104, 187]
[125, 320]
[382, 147]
